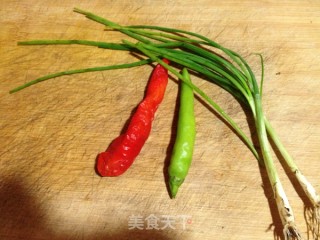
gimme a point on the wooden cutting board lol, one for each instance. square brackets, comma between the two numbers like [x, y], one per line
[51, 133]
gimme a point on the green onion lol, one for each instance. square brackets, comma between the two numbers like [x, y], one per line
[70, 72]
[114, 46]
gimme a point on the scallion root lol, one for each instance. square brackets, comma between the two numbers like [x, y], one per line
[312, 216]
[291, 233]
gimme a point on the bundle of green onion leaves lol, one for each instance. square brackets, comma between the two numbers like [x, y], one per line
[228, 70]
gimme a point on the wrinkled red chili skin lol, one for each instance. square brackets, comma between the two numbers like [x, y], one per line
[124, 149]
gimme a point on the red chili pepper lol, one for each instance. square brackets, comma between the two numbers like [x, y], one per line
[124, 149]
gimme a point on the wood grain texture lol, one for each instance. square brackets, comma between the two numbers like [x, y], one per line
[50, 133]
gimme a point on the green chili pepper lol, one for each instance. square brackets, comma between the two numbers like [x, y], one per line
[183, 147]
